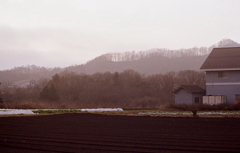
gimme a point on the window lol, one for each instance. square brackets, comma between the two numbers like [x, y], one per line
[197, 100]
[223, 74]
[237, 96]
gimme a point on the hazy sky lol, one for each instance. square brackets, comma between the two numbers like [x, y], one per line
[61, 33]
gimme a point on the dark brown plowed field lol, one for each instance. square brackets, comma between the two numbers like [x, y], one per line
[108, 133]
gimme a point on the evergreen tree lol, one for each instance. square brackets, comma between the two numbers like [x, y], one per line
[44, 94]
[116, 80]
[1, 100]
[49, 93]
[53, 94]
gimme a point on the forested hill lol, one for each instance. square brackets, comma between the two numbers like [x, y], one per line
[151, 65]
[154, 61]
[148, 62]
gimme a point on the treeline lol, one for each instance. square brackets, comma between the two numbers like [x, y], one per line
[128, 89]
[33, 72]
[163, 52]
[154, 61]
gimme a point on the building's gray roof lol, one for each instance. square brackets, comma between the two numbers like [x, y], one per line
[223, 59]
[191, 89]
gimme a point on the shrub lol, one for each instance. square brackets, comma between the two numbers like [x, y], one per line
[56, 111]
[145, 102]
[205, 107]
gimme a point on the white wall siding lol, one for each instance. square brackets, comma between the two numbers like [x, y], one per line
[223, 86]
[183, 97]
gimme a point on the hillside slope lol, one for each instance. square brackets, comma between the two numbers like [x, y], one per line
[153, 61]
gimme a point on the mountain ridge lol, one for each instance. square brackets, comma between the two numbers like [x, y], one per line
[153, 61]
[194, 51]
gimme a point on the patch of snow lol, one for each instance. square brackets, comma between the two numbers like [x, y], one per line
[15, 111]
[165, 113]
[102, 109]
[179, 113]
[219, 113]
[29, 111]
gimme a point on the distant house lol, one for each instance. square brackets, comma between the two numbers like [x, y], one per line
[222, 68]
[189, 94]
[23, 84]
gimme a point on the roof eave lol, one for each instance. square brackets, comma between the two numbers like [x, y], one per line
[222, 69]
[198, 92]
